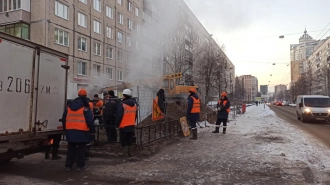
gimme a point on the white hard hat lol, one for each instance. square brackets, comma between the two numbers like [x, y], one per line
[127, 92]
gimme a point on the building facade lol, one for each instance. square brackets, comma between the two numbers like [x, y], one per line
[280, 91]
[264, 89]
[299, 54]
[250, 85]
[319, 64]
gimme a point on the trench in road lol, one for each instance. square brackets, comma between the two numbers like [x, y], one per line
[321, 131]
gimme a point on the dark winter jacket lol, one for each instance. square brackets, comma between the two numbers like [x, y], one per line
[79, 136]
[194, 117]
[110, 108]
[161, 100]
[120, 113]
[222, 113]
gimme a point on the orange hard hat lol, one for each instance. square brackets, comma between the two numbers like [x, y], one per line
[192, 90]
[223, 94]
[82, 92]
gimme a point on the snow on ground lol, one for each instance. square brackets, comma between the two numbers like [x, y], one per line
[259, 148]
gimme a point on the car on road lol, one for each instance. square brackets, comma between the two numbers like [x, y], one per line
[279, 104]
[313, 107]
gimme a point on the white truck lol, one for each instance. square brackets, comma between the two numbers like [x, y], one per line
[33, 86]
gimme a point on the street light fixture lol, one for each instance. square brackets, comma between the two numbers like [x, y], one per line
[281, 37]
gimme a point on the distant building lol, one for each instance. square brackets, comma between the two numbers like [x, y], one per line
[299, 54]
[280, 91]
[250, 84]
[264, 89]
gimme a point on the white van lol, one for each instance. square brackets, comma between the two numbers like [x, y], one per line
[313, 107]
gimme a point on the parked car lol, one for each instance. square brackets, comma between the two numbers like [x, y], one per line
[286, 104]
[279, 104]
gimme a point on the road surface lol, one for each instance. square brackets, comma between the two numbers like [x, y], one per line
[319, 130]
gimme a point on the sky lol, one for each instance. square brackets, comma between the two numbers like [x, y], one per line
[250, 31]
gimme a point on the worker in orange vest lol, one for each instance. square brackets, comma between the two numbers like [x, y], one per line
[223, 108]
[79, 129]
[193, 111]
[125, 121]
[98, 108]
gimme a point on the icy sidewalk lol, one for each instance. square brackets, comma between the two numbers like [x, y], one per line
[259, 148]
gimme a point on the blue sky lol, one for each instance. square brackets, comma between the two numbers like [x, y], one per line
[250, 29]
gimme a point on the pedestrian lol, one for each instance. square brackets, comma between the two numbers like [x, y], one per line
[125, 121]
[193, 111]
[109, 116]
[98, 108]
[54, 147]
[79, 129]
[223, 108]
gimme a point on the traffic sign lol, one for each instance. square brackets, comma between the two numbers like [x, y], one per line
[156, 112]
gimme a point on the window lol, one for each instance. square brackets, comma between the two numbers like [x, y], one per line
[129, 58]
[137, 11]
[109, 32]
[18, 30]
[97, 5]
[128, 76]
[120, 56]
[82, 20]
[129, 6]
[97, 27]
[82, 44]
[120, 18]
[8, 5]
[109, 12]
[109, 52]
[61, 37]
[120, 37]
[120, 75]
[129, 23]
[61, 10]
[96, 70]
[129, 40]
[137, 44]
[109, 73]
[137, 28]
[83, 1]
[81, 68]
[120, 2]
[97, 49]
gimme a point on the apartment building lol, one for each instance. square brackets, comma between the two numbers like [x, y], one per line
[98, 35]
[280, 91]
[319, 63]
[250, 84]
[299, 54]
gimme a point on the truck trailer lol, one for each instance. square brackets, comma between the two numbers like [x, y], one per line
[33, 86]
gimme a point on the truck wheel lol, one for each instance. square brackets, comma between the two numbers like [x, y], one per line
[303, 119]
[298, 117]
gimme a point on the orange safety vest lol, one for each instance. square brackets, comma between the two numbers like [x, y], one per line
[98, 105]
[196, 105]
[129, 116]
[224, 103]
[75, 120]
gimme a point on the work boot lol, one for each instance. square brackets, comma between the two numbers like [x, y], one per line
[194, 132]
[54, 155]
[224, 130]
[216, 130]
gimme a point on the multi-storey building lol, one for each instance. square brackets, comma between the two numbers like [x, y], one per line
[319, 63]
[280, 91]
[299, 54]
[264, 89]
[250, 85]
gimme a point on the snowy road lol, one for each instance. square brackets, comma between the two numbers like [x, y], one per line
[319, 130]
[259, 148]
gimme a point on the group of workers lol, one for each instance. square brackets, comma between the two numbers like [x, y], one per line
[194, 109]
[81, 116]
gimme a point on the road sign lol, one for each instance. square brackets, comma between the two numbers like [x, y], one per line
[184, 126]
[156, 112]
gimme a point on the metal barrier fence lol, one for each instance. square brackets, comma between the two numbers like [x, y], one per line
[144, 135]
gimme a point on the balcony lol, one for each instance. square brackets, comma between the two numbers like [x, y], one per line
[15, 16]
